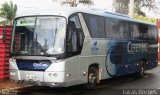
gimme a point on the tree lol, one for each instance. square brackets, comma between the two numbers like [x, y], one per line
[139, 4]
[121, 6]
[74, 3]
[8, 11]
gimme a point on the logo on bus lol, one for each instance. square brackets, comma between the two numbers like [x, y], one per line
[94, 48]
[137, 47]
[41, 64]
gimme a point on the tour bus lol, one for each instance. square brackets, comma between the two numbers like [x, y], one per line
[72, 46]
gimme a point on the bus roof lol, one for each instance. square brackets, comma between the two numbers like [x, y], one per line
[66, 12]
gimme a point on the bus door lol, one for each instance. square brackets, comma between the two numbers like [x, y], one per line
[74, 43]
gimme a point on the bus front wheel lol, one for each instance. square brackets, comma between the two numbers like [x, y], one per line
[92, 77]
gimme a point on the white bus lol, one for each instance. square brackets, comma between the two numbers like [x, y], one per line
[66, 47]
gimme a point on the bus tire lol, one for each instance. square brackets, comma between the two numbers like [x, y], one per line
[141, 69]
[92, 78]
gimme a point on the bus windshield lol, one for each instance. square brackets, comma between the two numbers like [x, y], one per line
[42, 35]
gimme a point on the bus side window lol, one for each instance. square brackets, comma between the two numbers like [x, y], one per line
[75, 36]
[152, 33]
[136, 31]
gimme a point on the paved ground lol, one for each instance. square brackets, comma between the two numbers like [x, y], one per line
[126, 85]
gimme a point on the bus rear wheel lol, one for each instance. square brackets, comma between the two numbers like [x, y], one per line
[141, 69]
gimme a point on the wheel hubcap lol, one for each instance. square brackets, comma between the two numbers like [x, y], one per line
[142, 70]
[92, 78]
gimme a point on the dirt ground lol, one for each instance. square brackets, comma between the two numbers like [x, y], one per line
[8, 84]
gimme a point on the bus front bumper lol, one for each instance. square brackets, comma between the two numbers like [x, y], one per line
[39, 78]
[39, 83]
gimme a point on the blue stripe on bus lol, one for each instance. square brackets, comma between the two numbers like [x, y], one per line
[122, 59]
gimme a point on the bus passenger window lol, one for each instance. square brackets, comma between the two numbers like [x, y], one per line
[152, 33]
[96, 25]
[136, 32]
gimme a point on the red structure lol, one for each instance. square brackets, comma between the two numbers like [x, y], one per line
[158, 25]
[4, 51]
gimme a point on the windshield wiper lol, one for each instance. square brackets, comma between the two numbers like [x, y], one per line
[41, 48]
[37, 44]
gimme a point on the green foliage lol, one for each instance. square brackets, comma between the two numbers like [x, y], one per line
[121, 6]
[74, 3]
[139, 4]
[150, 4]
[8, 11]
[86, 2]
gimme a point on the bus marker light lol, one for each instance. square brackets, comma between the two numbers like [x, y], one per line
[126, 66]
[84, 73]
[68, 75]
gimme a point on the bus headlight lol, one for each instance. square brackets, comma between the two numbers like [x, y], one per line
[55, 75]
[52, 74]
